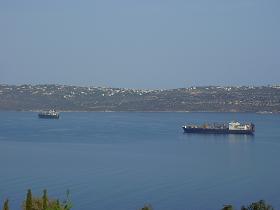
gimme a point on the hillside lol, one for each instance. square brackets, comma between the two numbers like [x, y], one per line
[74, 98]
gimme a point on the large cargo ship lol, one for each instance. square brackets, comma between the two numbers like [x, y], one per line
[215, 128]
[51, 114]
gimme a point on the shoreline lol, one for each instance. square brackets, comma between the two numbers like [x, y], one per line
[73, 111]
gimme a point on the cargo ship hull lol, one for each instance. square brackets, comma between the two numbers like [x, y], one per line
[216, 131]
[45, 116]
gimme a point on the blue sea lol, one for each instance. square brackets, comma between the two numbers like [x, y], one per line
[123, 161]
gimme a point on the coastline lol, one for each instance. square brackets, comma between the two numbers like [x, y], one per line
[139, 111]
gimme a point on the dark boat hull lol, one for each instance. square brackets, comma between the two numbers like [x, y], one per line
[48, 116]
[217, 131]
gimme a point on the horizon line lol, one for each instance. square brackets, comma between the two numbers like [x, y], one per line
[91, 86]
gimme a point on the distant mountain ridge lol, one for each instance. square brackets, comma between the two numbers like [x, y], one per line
[204, 98]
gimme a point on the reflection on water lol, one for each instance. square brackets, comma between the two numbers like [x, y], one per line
[240, 138]
[230, 138]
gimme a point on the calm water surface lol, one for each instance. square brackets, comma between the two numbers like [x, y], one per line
[122, 161]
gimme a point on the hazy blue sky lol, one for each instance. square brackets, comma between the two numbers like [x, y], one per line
[140, 44]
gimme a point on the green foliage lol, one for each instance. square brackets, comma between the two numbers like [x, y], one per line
[28, 202]
[227, 207]
[6, 205]
[55, 206]
[57, 203]
[45, 200]
[260, 205]
[44, 203]
[66, 205]
[147, 207]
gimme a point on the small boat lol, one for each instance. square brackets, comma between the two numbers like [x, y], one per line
[51, 114]
[230, 128]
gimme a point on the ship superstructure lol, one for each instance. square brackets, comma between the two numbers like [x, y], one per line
[217, 128]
